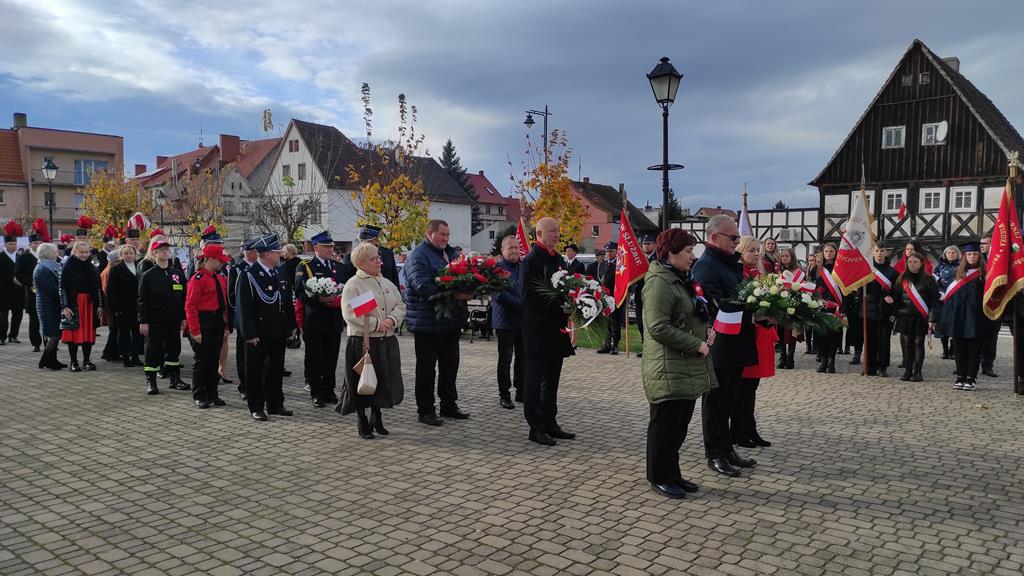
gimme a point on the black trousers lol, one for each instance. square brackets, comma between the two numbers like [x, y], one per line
[34, 336]
[12, 304]
[828, 344]
[967, 355]
[855, 333]
[110, 349]
[988, 348]
[913, 351]
[879, 344]
[207, 357]
[666, 432]
[743, 426]
[540, 391]
[510, 346]
[129, 342]
[240, 349]
[264, 372]
[438, 350]
[615, 328]
[321, 363]
[163, 345]
[716, 411]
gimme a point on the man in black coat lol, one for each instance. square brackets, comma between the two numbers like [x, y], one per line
[262, 292]
[24, 267]
[545, 344]
[603, 270]
[647, 245]
[12, 292]
[879, 305]
[573, 264]
[322, 322]
[235, 272]
[719, 272]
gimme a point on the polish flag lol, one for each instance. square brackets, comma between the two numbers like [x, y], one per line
[728, 322]
[521, 238]
[364, 303]
[903, 211]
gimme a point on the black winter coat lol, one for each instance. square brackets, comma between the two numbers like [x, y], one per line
[926, 287]
[318, 317]
[78, 277]
[161, 296]
[719, 274]
[962, 316]
[420, 285]
[543, 318]
[123, 293]
[878, 308]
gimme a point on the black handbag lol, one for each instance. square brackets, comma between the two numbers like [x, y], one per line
[69, 323]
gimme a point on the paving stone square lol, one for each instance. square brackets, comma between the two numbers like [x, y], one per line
[866, 476]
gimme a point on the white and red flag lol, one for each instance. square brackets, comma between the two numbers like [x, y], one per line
[1004, 276]
[631, 263]
[728, 322]
[853, 267]
[363, 303]
[522, 238]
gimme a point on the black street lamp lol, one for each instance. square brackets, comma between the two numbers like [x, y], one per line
[50, 174]
[529, 124]
[161, 199]
[664, 81]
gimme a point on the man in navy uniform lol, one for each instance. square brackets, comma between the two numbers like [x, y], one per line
[262, 292]
[236, 271]
[322, 321]
[388, 266]
[604, 272]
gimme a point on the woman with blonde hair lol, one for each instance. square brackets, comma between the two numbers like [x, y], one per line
[371, 330]
[80, 295]
[743, 426]
[945, 271]
[122, 301]
[788, 262]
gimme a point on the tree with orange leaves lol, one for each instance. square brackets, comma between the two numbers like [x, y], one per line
[111, 199]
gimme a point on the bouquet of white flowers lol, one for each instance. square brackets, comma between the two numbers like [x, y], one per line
[582, 297]
[325, 287]
[787, 301]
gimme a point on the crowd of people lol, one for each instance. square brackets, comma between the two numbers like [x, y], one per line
[149, 304]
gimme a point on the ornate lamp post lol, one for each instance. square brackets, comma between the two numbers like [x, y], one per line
[50, 174]
[529, 122]
[161, 199]
[665, 81]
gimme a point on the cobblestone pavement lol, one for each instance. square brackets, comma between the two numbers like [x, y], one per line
[866, 476]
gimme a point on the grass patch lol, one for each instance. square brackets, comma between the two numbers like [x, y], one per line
[593, 339]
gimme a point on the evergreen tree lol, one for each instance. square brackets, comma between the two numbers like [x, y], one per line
[675, 211]
[453, 166]
[780, 205]
[508, 231]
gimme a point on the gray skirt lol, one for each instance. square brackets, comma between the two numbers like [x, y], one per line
[387, 362]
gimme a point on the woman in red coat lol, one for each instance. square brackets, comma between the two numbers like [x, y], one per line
[743, 427]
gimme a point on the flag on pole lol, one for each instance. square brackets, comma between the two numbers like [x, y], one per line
[745, 228]
[1005, 273]
[853, 267]
[522, 238]
[903, 211]
[630, 263]
[364, 303]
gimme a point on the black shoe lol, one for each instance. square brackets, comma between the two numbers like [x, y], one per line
[902, 365]
[905, 377]
[431, 419]
[687, 485]
[363, 427]
[454, 413]
[282, 411]
[519, 397]
[377, 423]
[14, 340]
[831, 369]
[201, 403]
[739, 461]
[757, 440]
[882, 373]
[614, 351]
[35, 348]
[639, 354]
[673, 491]
[746, 443]
[604, 349]
[542, 438]
[259, 416]
[855, 360]
[506, 402]
[332, 399]
[75, 367]
[917, 377]
[990, 373]
[722, 466]
[218, 402]
[822, 367]
[318, 403]
[561, 434]
[88, 366]
[151, 388]
[225, 380]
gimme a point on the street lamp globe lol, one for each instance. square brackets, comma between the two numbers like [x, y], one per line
[664, 81]
[49, 170]
[529, 121]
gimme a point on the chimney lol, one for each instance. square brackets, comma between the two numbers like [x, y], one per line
[953, 63]
[160, 160]
[229, 148]
[20, 120]
[586, 179]
[481, 172]
[140, 169]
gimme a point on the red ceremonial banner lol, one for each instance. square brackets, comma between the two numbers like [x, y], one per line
[630, 263]
[524, 242]
[1005, 273]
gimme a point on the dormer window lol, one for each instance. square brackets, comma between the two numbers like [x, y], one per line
[893, 136]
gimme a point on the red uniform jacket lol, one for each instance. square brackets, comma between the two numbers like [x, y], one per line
[202, 297]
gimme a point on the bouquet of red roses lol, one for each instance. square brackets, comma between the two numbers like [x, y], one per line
[467, 278]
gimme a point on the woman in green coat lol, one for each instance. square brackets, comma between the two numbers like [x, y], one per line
[677, 357]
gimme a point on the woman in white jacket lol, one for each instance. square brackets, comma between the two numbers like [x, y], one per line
[381, 315]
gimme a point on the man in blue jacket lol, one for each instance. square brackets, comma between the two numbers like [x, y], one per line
[436, 339]
[506, 317]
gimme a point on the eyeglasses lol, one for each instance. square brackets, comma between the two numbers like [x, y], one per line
[732, 237]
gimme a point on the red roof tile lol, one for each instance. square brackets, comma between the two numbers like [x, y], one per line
[485, 191]
[10, 157]
[253, 153]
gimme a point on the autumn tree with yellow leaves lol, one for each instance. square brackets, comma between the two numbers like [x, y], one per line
[388, 187]
[112, 199]
[545, 188]
[196, 203]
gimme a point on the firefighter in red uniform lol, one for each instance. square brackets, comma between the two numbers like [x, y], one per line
[206, 313]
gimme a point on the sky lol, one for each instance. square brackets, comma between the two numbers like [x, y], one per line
[770, 88]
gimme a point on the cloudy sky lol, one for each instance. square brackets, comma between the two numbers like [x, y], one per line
[770, 88]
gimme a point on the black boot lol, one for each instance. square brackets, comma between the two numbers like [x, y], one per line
[782, 360]
[831, 365]
[151, 388]
[615, 348]
[790, 355]
[856, 359]
[176, 382]
[916, 376]
[376, 423]
[822, 366]
[363, 425]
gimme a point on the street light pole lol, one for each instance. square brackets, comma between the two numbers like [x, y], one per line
[664, 167]
[529, 124]
[664, 81]
[50, 173]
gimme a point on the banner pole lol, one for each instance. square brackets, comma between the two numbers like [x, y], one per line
[864, 319]
[1018, 386]
[626, 314]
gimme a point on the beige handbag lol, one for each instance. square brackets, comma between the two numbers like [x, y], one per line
[367, 375]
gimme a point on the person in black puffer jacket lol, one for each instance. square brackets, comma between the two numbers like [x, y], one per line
[436, 339]
[161, 307]
[879, 303]
[915, 297]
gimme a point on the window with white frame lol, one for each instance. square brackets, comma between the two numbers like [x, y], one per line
[932, 200]
[595, 231]
[286, 171]
[962, 199]
[929, 134]
[487, 208]
[893, 136]
[85, 168]
[302, 171]
[855, 197]
[907, 80]
[924, 78]
[893, 200]
[501, 209]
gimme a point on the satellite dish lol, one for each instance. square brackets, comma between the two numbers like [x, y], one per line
[942, 131]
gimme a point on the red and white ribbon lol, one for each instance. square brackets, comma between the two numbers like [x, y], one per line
[882, 280]
[915, 298]
[794, 280]
[958, 284]
[728, 322]
[833, 288]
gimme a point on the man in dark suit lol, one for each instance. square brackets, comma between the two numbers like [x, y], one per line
[573, 264]
[235, 272]
[322, 321]
[12, 293]
[719, 271]
[262, 292]
[24, 267]
[545, 344]
[647, 245]
[605, 274]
